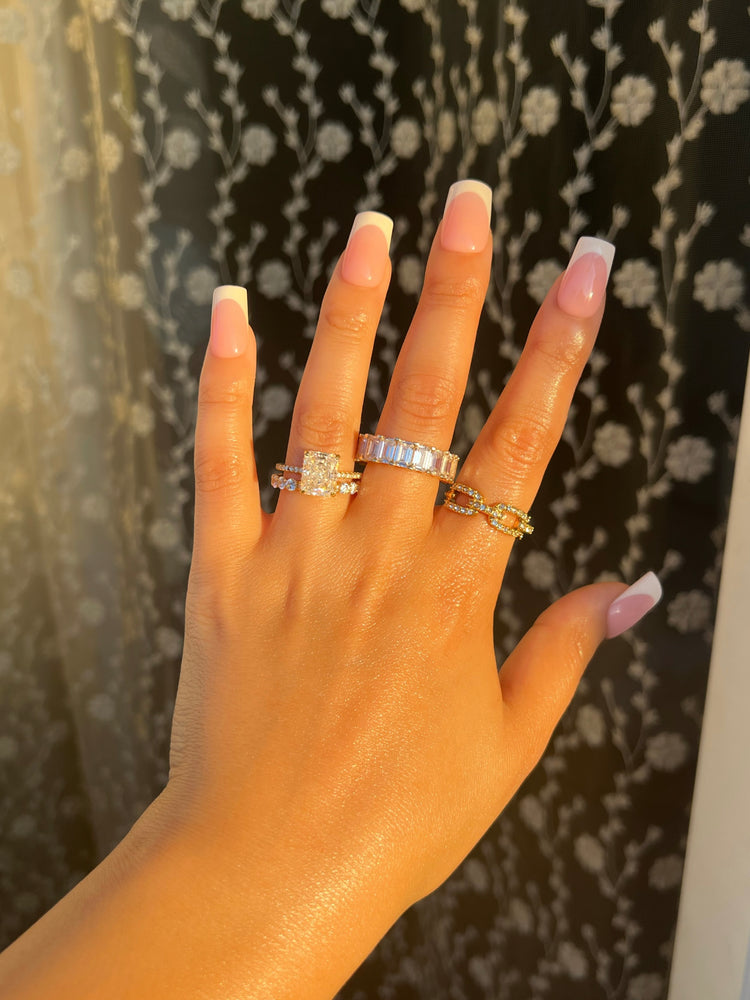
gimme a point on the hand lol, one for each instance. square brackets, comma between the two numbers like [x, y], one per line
[340, 715]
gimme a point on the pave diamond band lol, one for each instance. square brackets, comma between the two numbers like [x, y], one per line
[319, 476]
[407, 455]
[501, 516]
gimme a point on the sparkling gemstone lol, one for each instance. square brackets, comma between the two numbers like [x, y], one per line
[319, 472]
[407, 455]
[378, 449]
[418, 457]
[390, 451]
[291, 484]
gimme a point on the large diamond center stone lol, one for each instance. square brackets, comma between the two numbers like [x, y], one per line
[319, 474]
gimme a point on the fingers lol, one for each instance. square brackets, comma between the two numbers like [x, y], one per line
[328, 408]
[511, 453]
[539, 678]
[429, 379]
[227, 503]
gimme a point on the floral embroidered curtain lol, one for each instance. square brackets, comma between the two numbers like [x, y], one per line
[151, 149]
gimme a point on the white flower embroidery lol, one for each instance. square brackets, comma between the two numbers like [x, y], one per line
[179, 10]
[261, 10]
[111, 150]
[591, 725]
[101, 707]
[474, 418]
[635, 283]
[689, 459]
[725, 86]
[142, 419]
[539, 570]
[572, 960]
[410, 273]
[102, 10]
[18, 281]
[446, 131]
[91, 611]
[165, 534]
[130, 292]
[274, 279]
[169, 641]
[719, 284]
[333, 142]
[542, 277]
[540, 110]
[689, 611]
[10, 158]
[12, 26]
[338, 8]
[647, 986]
[84, 400]
[75, 163]
[413, 5]
[94, 507]
[485, 121]
[520, 915]
[258, 144]
[532, 813]
[182, 148]
[406, 138]
[275, 402]
[476, 874]
[480, 969]
[633, 100]
[200, 283]
[666, 751]
[590, 853]
[666, 873]
[74, 33]
[613, 444]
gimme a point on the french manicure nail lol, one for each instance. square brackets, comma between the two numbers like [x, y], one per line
[229, 322]
[466, 217]
[585, 280]
[633, 604]
[366, 253]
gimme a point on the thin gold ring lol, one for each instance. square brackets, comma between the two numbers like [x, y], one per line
[496, 512]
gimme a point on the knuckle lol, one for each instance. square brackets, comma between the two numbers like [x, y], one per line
[427, 398]
[216, 472]
[521, 443]
[321, 428]
[561, 352]
[234, 393]
[346, 326]
[460, 294]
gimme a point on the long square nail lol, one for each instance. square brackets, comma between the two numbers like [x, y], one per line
[466, 218]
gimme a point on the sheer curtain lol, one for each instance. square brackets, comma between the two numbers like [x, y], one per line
[150, 149]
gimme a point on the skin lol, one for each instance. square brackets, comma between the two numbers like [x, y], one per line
[342, 736]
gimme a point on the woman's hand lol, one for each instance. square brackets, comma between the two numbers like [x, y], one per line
[339, 707]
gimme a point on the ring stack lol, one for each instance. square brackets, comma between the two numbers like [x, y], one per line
[498, 514]
[407, 455]
[318, 476]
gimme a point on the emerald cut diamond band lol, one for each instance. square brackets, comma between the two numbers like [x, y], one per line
[407, 455]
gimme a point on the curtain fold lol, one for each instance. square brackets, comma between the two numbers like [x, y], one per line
[151, 149]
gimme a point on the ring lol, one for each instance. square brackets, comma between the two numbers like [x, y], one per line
[495, 511]
[407, 455]
[319, 476]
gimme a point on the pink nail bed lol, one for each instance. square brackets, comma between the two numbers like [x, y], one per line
[585, 281]
[466, 218]
[230, 335]
[633, 604]
[366, 255]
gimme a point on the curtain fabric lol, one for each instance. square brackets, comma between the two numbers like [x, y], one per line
[151, 149]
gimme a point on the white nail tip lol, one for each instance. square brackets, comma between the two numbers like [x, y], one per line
[476, 187]
[383, 222]
[590, 244]
[647, 586]
[236, 293]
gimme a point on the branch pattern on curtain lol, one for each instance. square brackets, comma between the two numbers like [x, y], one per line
[151, 149]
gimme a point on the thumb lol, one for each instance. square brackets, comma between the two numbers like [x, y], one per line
[540, 677]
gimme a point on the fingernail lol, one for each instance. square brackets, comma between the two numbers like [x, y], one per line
[585, 280]
[633, 604]
[366, 251]
[229, 331]
[466, 217]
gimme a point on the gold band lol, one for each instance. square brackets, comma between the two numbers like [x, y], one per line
[476, 504]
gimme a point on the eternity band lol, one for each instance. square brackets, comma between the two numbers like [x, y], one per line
[407, 455]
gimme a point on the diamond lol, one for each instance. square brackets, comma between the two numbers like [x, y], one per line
[319, 474]
[378, 449]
